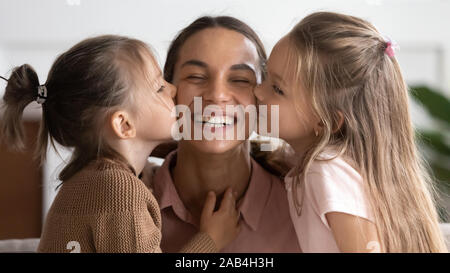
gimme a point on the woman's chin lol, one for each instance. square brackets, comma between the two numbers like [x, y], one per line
[215, 146]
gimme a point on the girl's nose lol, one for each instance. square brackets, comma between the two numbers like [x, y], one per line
[172, 90]
[258, 92]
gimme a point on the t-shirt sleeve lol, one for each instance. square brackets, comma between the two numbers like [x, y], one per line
[126, 232]
[337, 187]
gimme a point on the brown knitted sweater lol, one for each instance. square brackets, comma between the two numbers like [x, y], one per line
[106, 208]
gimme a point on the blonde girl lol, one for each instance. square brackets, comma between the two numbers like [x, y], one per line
[107, 100]
[358, 184]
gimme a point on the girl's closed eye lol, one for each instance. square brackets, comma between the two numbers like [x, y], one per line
[277, 90]
[161, 89]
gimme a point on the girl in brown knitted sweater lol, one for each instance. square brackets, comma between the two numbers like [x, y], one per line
[107, 100]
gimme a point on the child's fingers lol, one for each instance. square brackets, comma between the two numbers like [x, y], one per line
[236, 214]
[227, 203]
[208, 207]
[235, 195]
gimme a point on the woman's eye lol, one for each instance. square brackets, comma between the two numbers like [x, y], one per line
[277, 90]
[161, 89]
[196, 77]
[240, 81]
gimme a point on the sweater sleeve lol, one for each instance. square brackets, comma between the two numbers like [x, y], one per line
[200, 243]
[129, 219]
[126, 232]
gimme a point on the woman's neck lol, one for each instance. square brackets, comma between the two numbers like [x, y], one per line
[197, 173]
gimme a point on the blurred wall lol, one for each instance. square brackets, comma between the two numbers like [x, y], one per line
[36, 32]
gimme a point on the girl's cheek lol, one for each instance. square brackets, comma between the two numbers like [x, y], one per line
[272, 99]
[168, 103]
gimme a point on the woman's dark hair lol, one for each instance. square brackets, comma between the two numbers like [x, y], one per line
[205, 22]
[84, 85]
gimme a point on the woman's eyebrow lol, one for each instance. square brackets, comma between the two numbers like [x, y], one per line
[242, 67]
[195, 63]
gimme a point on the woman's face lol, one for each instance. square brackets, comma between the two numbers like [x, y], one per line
[221, 67]
[296, 124]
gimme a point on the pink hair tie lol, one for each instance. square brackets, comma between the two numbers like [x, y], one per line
[389, 50]
[390, 47]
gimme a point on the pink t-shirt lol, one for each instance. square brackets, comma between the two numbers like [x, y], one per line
[330, 186]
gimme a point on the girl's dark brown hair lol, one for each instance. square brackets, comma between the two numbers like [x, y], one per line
[205, 22]
[84, 85]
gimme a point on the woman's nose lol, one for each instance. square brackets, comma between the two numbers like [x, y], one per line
[218, 93]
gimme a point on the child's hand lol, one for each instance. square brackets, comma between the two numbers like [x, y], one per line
[221, 225]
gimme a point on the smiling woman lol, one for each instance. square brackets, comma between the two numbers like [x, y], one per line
[219, 60]
[221, 79]
[203, 66]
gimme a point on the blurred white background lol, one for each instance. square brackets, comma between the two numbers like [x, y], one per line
[35, 32]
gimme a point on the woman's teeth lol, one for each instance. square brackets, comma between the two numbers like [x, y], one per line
[217, 122]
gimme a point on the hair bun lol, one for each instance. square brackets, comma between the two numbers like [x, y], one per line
[22, 85]
[19, 92]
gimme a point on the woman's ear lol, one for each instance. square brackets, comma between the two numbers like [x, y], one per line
[122, 125]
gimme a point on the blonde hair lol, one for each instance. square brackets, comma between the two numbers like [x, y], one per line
[341, 64]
